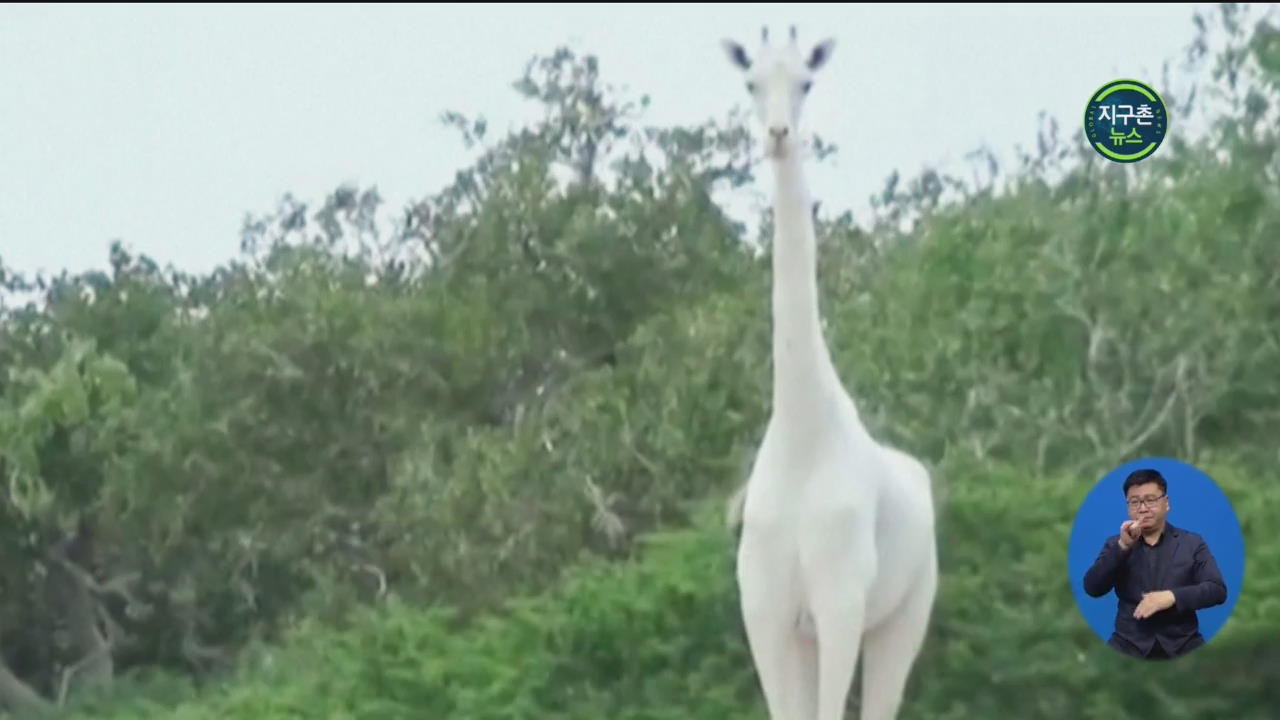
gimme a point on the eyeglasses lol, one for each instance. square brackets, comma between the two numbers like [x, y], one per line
[1148, 501]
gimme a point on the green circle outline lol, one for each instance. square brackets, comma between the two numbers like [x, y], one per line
[1125, 84]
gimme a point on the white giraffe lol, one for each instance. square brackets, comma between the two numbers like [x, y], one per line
[837, 553]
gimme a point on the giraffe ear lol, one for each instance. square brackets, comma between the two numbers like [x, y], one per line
[737, 55]
[821, 54]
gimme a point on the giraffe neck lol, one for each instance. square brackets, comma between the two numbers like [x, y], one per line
[803, 375]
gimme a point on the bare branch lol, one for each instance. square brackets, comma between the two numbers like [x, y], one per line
[1042, 451]
[17, 696]
[118, 586]
[604, 518]
[1176, 369]
[379, 574]
[114, 633]
[70, 589]
[95, 657]
[198, 655]
[1092, 433]
[1155, 425]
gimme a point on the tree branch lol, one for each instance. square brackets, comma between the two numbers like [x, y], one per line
[17, 696]
[69, 589]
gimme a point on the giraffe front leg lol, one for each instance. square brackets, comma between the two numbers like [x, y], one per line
[839, 572]
[784, 654]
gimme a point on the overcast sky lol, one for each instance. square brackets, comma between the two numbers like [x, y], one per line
[162, 125]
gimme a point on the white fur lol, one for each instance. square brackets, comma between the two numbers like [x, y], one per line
[837, 556]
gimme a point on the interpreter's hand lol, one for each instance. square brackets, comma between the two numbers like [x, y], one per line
[1152, 603]
[1129, 532]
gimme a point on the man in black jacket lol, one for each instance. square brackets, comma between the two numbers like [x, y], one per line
[1161, 574]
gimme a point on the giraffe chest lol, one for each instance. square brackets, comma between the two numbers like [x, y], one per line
[805, 498]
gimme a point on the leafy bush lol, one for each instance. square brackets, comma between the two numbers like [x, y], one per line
[659, 637]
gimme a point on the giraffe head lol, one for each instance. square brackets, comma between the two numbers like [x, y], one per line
[778, 80]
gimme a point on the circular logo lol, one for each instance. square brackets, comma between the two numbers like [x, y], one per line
[1125, 121]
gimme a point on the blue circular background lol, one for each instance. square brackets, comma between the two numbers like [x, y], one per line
[1099, 130]
[1196, 504]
